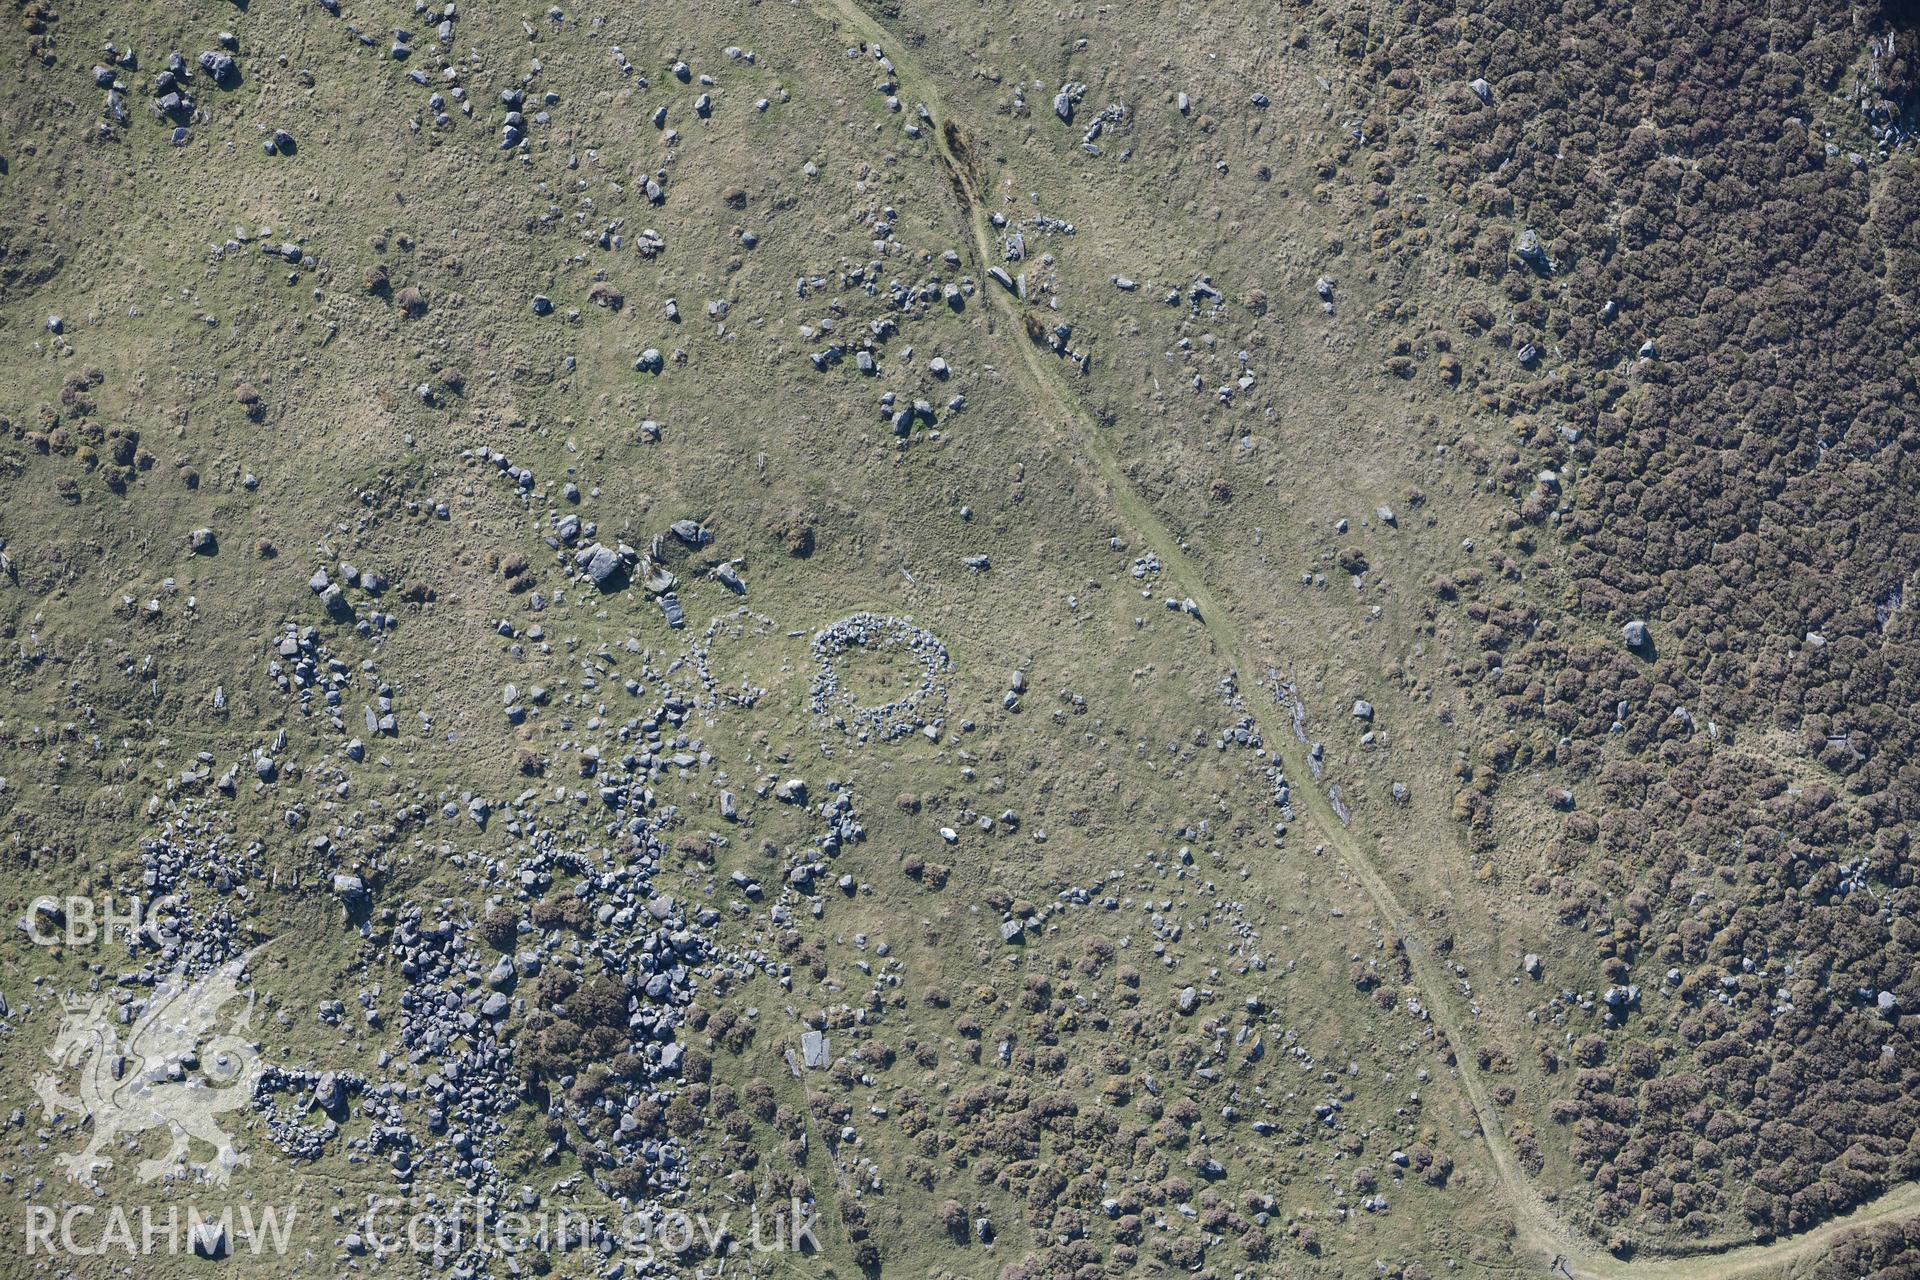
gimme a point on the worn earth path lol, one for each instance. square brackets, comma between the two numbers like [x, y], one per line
[1537, 1226]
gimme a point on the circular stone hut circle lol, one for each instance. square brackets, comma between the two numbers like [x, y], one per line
[886, 721]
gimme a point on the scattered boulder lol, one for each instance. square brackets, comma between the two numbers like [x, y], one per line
[814, 1049]
[601, 564]
[209, 1239]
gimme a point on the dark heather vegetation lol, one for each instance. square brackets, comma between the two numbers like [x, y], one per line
[1731, 325]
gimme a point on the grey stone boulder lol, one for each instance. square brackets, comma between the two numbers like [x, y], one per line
[503, 974]
[601, 564]
[815, 1049]
[209, 1239]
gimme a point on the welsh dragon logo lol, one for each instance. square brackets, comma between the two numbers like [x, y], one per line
[176, 1070]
